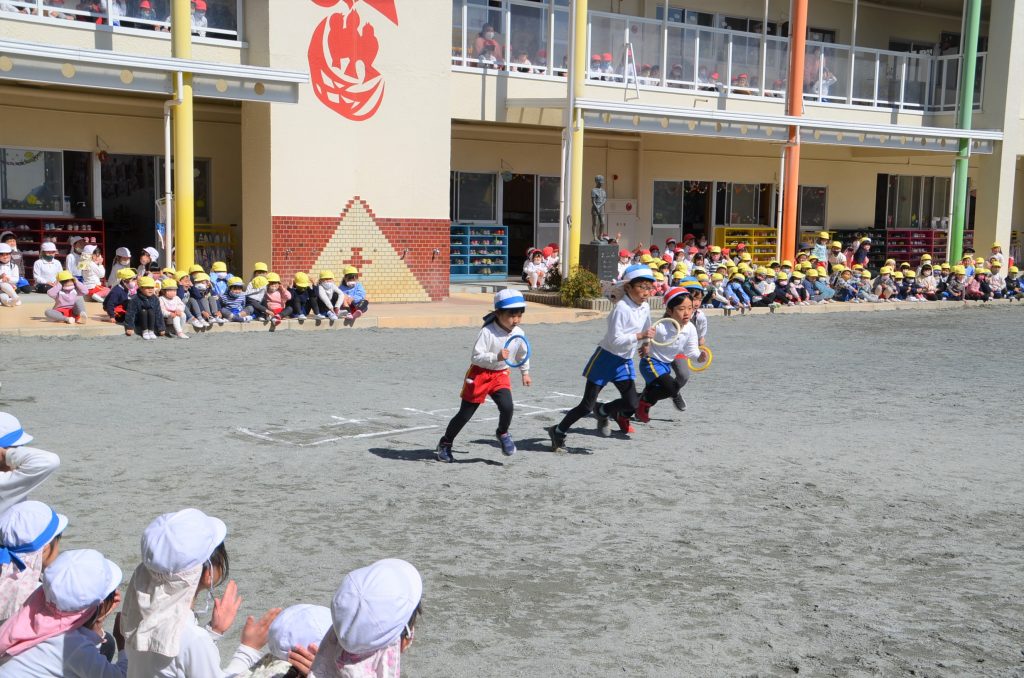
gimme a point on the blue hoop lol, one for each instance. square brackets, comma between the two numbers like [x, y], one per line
[529, 351]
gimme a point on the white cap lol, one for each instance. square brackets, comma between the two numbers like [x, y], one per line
[5, 248]
[28, 521]
[122, 252]
[73, 239]
[178, 542]
[506, 299]
[9, 426]
[298, 625]
[49, 247]
[79, 579]
[88, 249]
[374, 604]
[151, 251]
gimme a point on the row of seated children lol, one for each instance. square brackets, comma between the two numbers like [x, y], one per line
[164, 302]
[57, 604]
[538, 265]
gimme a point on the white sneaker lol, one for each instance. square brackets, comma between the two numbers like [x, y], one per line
[331, 315]
[220, 321]
[301, 316]
[181, 335]
[70, 320]
[198, 323]
[17, 302]
[247, 319]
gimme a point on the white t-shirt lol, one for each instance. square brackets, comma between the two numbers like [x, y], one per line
[45, 272]
[490, 343]
[685, 342]
[30, 467]
[626, 320]
[197, 657]
[75, 654]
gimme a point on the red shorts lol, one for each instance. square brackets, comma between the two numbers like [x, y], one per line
[100, 290]
[67, 312]
[481, 383]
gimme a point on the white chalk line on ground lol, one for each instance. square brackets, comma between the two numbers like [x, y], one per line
[280, 436]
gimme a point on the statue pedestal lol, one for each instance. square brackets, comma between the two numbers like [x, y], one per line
[601, 259]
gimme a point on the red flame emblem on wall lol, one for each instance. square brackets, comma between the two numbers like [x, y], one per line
[341, 55]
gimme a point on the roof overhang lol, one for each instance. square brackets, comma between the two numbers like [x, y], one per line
[629, 117]
[99, 69]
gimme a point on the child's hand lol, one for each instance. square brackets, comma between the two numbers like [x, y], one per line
[505, 353]
[225, 609]
[302, 658]
[527, 381]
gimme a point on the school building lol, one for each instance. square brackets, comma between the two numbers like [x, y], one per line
[424, 141]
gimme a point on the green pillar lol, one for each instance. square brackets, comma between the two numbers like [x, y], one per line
[963, 121]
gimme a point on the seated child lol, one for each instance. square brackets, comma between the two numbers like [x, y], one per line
[996, 279]
[8, 277]
[74, 259]
[796, 287]
[625, 261]
[551, 256]
[203, 303]
[143, 314]
[721, 296]
[956, 284]
[304, 299]
[93, 272]
[219, 279]
[355, 293]
[46, 268]
[30, 533]
[332, 299]
[20, 282]
[68, 300]
[883, 286]
[276, 298]
[147, 260]
[926, 284]
[254, 294]
[660, 283]
[1013, 284]
[172, 308]
[122, 259]
[259, 270]
[897, 282]
[233, 302]
[978, 287]
[535, 270]
[785, 295]
[115, 305]
[844, 285]
[736, 286]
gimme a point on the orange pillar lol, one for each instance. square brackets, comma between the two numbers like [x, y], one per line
[794, 107]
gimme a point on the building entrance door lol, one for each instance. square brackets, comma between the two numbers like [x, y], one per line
[517, 213]
[128, 184]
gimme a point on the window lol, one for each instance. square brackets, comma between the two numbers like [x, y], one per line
[668, 203]
[31, 180]
[683, 16]
[475, 196]
[811, 210]
[915, 202]
[549, 198]
[741, 204]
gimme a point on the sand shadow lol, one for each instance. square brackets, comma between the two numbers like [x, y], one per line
[424, 455]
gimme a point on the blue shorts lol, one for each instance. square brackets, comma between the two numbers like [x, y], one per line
[604, 367]
[651, 369]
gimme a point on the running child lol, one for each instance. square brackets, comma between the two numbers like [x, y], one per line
[488, 374]
[657, 368]
[629, 324]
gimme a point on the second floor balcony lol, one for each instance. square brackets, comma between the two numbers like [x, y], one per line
[526, 38]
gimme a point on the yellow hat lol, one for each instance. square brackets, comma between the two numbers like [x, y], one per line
[782, 276]
[865, 273]
[301, 279]
[166, 271]
[659, 276]
[168, 284]
[996, 244]
[235, 281]
[962, 270]
[326, 274]
[195, 268]
[678, 274]
[979, 260]
[926, 257]
[178, 275]
[125, 273]
[739, 276]
[995, 263]
[259, 266]
[825, 235]
[259, 282]
[644, 259]
[858, 267]
[787, 263]
[885, 269]
[202, 277]
[982, 271]
[145, 281]
[897, 276]
[352, 270]
[837, 244]
[715, 249]
[797, 275]
[64, 276]
[945, 266]
[812, 273]
[219, 267]
[273, 278]
[702, 277]
[745, 256]
[1014, 269]
[848, 271]
[838, 268]
[905, 264]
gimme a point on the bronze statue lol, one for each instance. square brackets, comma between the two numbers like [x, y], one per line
[598, 198]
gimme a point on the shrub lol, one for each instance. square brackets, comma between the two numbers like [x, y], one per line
[581, 284]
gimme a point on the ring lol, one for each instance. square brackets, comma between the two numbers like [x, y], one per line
[529, 351]
[704, 365]
[670, 341]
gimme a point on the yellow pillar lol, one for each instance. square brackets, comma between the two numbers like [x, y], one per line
[579, 74]
[181, 121]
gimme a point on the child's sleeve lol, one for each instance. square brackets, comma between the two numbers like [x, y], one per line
[53, 291]
[621, 338]
[482, 349]
[358, 293]
[29, 468]
[688, 343]
[129, 313]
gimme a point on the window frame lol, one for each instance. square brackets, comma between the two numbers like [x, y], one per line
[456, 193]
[3, 183]
[800, 208]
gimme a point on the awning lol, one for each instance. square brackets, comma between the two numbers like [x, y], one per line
[632, 117]
[101, 69]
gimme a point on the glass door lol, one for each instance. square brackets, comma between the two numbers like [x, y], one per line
[549, 192]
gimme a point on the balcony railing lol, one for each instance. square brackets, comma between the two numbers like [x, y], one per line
[650, 53]
[219, 21]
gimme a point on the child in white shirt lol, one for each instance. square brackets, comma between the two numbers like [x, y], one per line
[93, 272]
[535, 270]
[46, 268]
[657, 368]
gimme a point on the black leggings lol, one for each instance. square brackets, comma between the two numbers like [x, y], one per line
[502, 398]
[625, 406]
[663, 387]
[145, 319]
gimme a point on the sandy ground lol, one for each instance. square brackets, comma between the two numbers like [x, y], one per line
[844, 495]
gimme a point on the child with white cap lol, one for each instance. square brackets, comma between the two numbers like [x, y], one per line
[122, 259]
[293, 641]
[93, 273]
[147, 258]
[629, 324]
[183, 555]
[488, 373]
[74, 259]
[22, 468]
[29, 541]
[58, 631]
[374, 613]
[46, 267]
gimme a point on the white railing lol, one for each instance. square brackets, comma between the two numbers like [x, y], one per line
[219, 22]
[670, 55]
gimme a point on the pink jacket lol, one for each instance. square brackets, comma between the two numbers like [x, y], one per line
[64, 299]
[276, 301]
